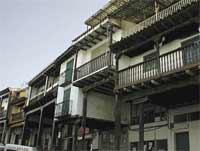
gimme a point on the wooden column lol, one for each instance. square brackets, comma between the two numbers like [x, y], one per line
[110, 41]
[75, 135]
[141, 126]
[24, 130]
[117, 109]
[83, 124]
[117, 122]
[38, 144]
[53, 135]
[75, 64]
[4, 132]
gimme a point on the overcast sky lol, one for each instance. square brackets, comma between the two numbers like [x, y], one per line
[34, 32]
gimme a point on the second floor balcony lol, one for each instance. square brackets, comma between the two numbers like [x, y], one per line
[182, 60]
[95, 70]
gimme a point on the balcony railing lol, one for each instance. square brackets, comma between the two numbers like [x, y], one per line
[94, 65]
[63, 108]
[161, 15]
[168, 63]
[3, 114]
[17, 116]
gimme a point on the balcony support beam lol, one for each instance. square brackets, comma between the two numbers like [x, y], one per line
[162, 88]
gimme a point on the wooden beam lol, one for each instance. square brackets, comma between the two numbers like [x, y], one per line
[162, 88]
[154, 82]
[189, 72]
[96, 84]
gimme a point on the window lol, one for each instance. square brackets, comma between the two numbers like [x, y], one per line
[192, 116]
[149, 145]
[151, 112]
[69, 70]
[66, 101]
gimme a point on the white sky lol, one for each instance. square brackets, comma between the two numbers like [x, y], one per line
[34, 32]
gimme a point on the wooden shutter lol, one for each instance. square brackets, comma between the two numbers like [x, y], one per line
[69, 70]
[66, 101]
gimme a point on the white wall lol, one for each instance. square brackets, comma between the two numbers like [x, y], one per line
[193, 127]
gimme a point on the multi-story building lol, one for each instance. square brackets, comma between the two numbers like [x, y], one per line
[16, 116]
[6, 96]
[39, 110]
[158, 59]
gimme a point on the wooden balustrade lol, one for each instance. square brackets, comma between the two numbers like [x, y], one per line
[17, 116]
[171, 62]
[94, 65]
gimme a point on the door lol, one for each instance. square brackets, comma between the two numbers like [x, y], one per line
[182, 141]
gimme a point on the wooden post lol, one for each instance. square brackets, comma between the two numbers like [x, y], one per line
[53, 135]
[40, 129]
[157, 47]
[75, 64]
[110, 40]
[141, 127]
[117, 122]
[24, 130]
[84, 117]
[75, 135]
[117, 110]
[4, 132]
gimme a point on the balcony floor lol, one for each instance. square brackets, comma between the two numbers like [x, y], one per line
[101, 81]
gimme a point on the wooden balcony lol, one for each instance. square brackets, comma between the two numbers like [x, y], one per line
[17, 117]
[161, 15]
[63, 109]
[95, 70]
[185, 61]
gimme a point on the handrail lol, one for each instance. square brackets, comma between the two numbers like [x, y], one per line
[168, 62]
[93, 65]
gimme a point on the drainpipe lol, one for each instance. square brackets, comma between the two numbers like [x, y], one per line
[53, 135]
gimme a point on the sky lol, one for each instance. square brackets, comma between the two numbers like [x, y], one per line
[34, 32]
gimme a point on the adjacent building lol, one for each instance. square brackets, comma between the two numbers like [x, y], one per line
[16, 116]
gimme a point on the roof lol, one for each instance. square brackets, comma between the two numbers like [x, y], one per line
[96, 34]
[132, 10]
[8, 89]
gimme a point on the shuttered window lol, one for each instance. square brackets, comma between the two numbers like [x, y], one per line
[69, 70]
[66, 101]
